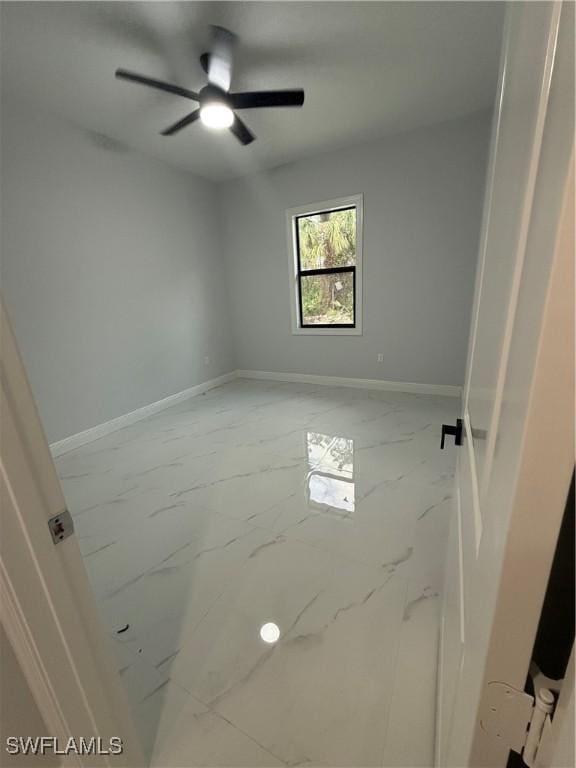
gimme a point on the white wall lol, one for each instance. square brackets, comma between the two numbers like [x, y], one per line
[422, 209]
[111, 272]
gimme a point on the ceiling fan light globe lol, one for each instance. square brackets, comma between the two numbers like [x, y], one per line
[216, 115]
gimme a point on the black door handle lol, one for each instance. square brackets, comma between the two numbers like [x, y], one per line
[448, 429]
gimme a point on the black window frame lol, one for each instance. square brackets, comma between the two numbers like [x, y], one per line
[300, 273]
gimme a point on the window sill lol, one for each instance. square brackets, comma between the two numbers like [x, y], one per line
[327, 331]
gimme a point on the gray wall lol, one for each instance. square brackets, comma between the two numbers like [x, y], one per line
[119, 281]
[422, 211]
[111, 272]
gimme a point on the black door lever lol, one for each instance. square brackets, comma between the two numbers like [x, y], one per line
[448, 429]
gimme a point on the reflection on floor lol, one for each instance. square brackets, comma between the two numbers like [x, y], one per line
[267, 559]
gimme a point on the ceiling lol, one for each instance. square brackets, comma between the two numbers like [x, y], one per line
[368, 69]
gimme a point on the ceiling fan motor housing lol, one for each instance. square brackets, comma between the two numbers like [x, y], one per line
[211, 94]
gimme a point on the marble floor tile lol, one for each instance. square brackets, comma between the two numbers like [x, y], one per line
[188, 728]
[318, 695]
[267, 560]
[410, 731]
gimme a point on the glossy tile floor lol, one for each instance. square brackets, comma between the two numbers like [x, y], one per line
[267, 559]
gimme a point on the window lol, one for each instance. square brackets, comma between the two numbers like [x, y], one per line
[326, 261]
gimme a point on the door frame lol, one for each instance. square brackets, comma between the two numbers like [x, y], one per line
[47, 607]
[545, 472]
[543, 418]
[545, 469]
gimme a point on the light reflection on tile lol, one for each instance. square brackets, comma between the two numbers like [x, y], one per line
[319, 510]
[331, 473]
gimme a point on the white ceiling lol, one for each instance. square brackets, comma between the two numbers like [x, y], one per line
[367, 68]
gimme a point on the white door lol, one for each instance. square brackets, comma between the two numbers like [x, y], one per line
[47, 608]
[516, 458]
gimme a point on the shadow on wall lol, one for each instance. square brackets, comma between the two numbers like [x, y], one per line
[19, 715]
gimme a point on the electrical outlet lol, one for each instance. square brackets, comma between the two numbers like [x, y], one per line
[206, 360]
[380, 357]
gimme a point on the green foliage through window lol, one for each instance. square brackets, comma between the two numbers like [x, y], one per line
[327, 241]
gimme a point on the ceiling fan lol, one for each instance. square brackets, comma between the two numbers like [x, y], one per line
[217, 104]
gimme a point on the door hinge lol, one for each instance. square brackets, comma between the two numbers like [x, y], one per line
[61, 526]
[520, 721]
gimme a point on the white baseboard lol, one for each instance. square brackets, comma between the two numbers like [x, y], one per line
[448, 390]
[100, 430]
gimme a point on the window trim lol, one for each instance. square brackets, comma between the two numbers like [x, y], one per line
[292, 216]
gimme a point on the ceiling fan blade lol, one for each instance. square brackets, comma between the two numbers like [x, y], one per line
[252, 99]
[221, 58]
[191, 118]
[124, 74]
[241, 131]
